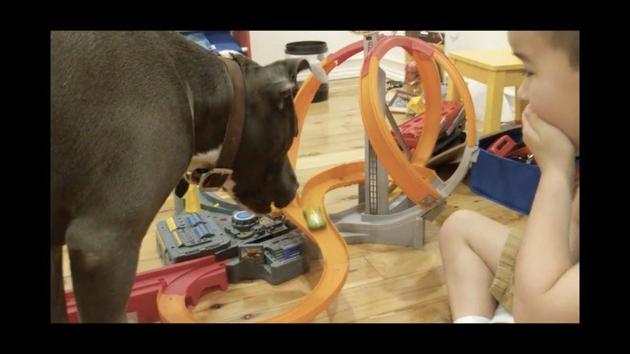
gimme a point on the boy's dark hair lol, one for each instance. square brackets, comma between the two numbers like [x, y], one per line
[568, 41]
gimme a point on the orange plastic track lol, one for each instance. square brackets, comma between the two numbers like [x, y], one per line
[332, 247]
[413, 178]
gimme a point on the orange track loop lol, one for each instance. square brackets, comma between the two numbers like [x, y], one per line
[332, 247]
[462, 89]
[413, 178]
[419, 183]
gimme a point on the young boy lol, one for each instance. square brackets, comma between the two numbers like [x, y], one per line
[534, 276]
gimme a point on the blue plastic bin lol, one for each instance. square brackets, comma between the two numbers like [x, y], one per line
[507, 182]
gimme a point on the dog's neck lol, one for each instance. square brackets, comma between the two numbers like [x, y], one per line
[208, 87]
[208, 91]
[210, 108]
[218, 160]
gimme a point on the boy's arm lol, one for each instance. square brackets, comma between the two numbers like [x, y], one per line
[546, 282]
[574, 228]
[560, 304]
[545, 279]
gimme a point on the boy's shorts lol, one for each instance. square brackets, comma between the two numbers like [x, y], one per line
[501, 287]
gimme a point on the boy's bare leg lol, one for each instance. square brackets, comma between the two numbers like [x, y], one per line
[471, 246]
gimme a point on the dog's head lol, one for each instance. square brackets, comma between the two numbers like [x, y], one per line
[262, 173]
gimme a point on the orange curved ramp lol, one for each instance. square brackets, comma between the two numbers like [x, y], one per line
[334, 252]
[305, 95]
[332, 247]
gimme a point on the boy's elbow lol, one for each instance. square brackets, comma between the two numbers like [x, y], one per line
[520, 311]
[558, 304]
[528, 305]
[540, 309]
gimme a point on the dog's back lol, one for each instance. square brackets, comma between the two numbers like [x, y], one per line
[108, 90]
[129, 109]
[120, 140]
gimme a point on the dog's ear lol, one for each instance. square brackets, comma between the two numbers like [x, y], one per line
[294, 66]
[281, 92]
[283, 80]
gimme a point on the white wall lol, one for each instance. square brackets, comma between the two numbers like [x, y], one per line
[268, 46]
[461, 40]
[457, 40]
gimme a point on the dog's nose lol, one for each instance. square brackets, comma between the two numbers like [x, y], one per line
[282, 202]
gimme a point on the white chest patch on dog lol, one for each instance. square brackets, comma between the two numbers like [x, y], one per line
[228, 186]
[205, 160]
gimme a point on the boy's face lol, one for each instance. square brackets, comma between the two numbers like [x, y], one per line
[551, 86]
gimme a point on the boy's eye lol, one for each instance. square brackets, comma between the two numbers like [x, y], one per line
[528, 73]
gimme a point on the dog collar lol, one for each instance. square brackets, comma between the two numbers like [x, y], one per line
[216, 177]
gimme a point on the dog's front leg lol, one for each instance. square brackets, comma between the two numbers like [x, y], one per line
[103, 260]
[57, 295]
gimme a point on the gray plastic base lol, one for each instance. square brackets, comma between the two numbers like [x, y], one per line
[375, 219]
[279, 254]
[404, 226]
[276, 260]
[172, 252]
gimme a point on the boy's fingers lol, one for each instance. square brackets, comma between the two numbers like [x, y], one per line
[530, 136]
[535, 123]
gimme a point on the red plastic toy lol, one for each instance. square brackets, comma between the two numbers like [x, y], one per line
[188, 278]
[506, 147]
[502, 146]
[411, 130]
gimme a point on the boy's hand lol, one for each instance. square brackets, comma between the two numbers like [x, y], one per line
[552, 148]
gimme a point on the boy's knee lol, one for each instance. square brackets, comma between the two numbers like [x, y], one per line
[456, 226]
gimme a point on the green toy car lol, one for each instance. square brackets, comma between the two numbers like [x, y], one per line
[314, 218]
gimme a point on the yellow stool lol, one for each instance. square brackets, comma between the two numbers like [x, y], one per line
[497, 68]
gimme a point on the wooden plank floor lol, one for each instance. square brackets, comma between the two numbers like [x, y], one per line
[385, 283]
